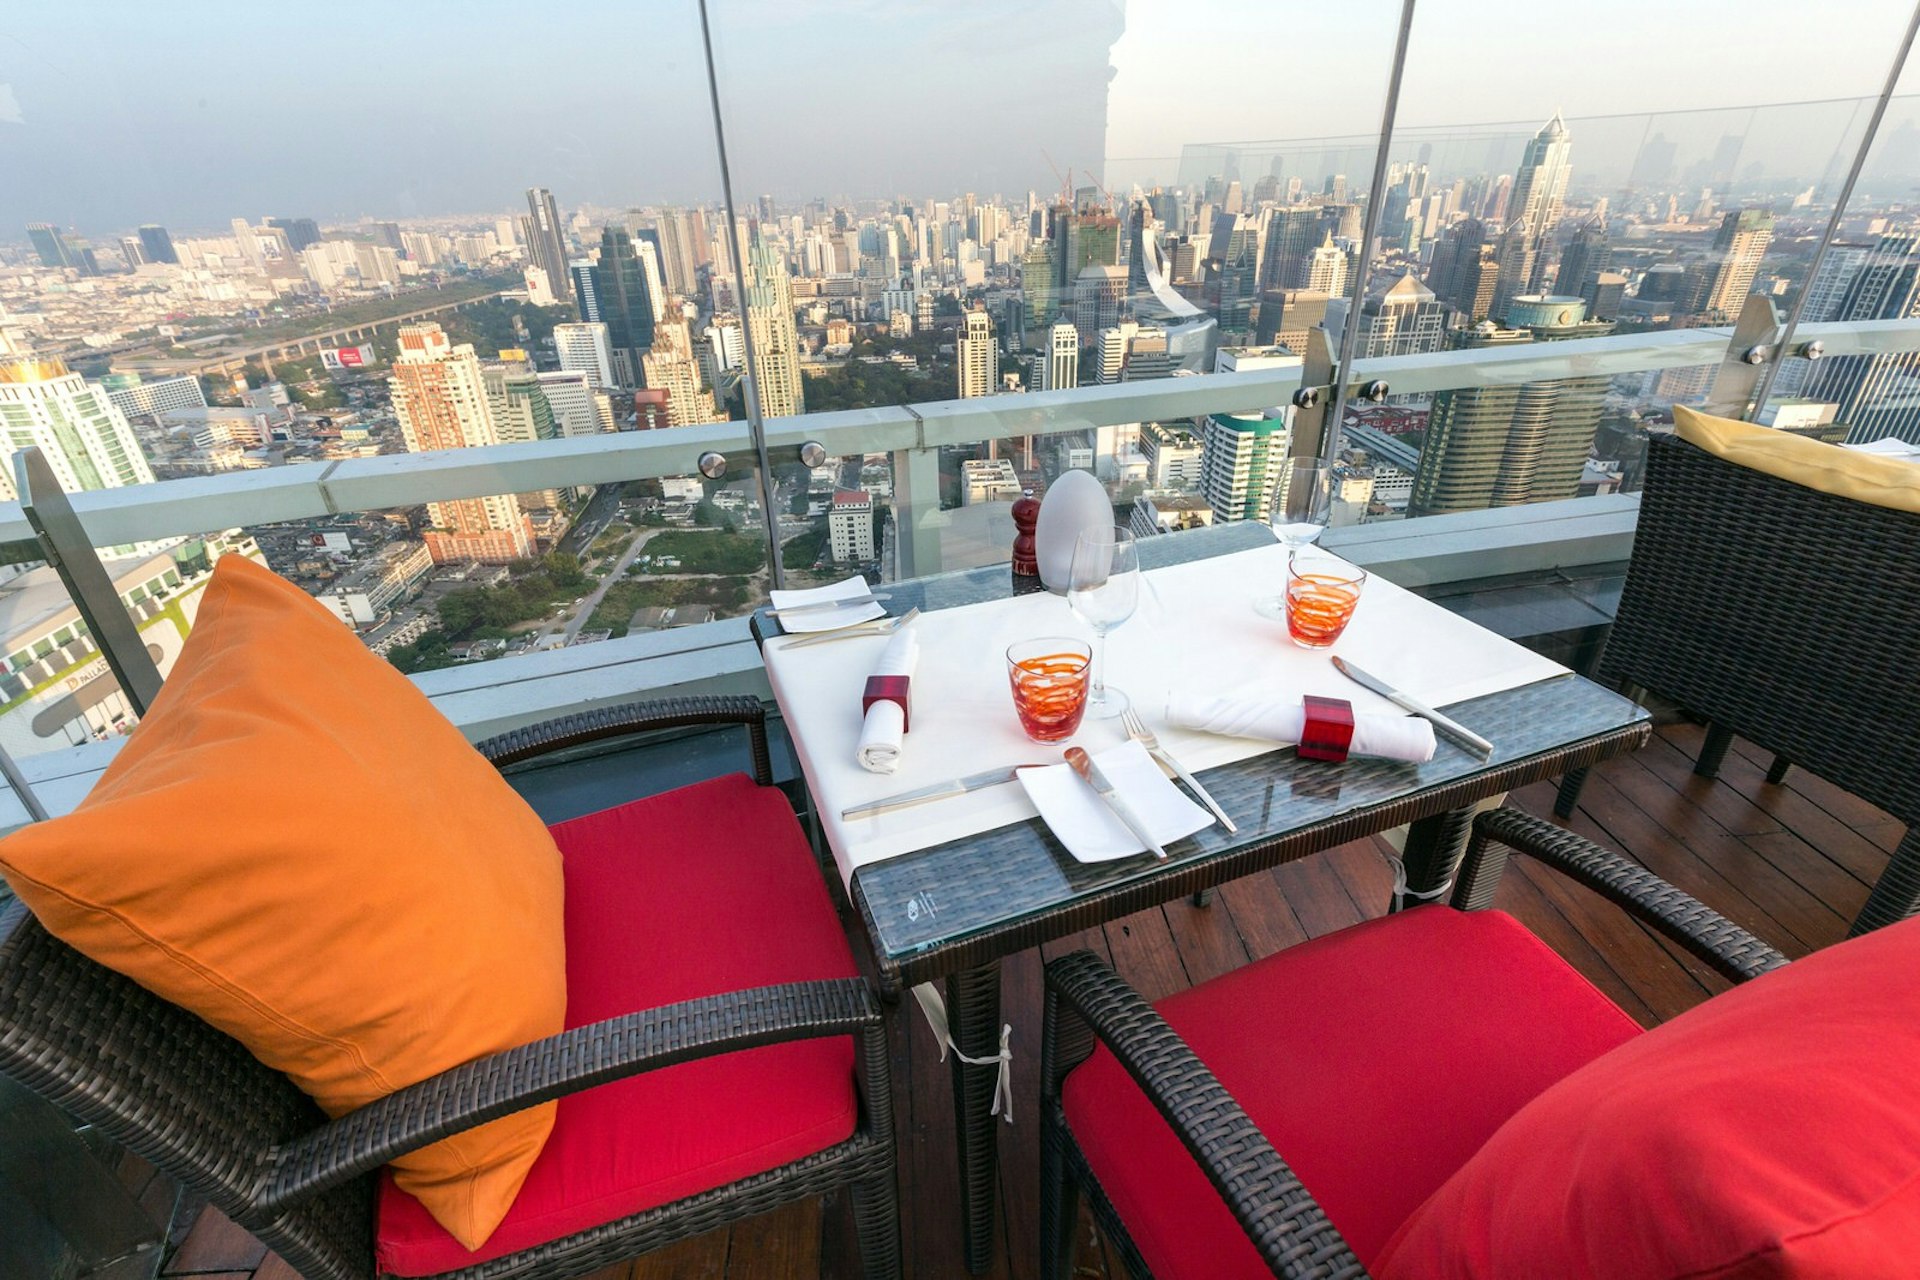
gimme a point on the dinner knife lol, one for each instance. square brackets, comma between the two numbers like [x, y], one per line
[1084, 766]
[938, 791]
[1449, 727]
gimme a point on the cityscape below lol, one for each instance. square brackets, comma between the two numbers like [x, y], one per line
[162, 353]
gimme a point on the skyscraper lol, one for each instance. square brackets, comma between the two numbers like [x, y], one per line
[157, 244]
[1233, 269]
[1739, 247]
[1533, 207]
[1292, 233]
[301, 232]
[585, 348]
[546, 241]
[671, 367]
[521, 413]
[586, 298]
[1871, 390]
[776, 343]
[49, 244]
[74, 423]
[1404, 320]
[1327, 268]
[1240, 461]
[979, 355]
[440, 397]
[1061, 367]
[1502, 445]
[620, 283]
[1587, 254]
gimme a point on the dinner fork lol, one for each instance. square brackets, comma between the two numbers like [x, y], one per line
[875, 627]
[1137, 731]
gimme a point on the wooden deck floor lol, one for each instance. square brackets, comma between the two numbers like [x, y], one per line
[1793, 863]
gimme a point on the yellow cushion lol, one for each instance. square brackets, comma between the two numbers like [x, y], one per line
[297, 847]
[1864, 477]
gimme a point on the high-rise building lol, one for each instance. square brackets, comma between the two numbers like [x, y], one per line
[671, 367]
[75, 423]
[1327, 267]
[1240, 461]
[1233, 270]
[1292, 234]
[978, 355]
[440, 398]
[1098, 294]
[546, 241]
[521, 414]
[1826, 292]
[1738, 249]
[1873, 391]
[571, 397]
[1039, 283]
[1539, 189]
[1061, 366]
[677, 252]
[850, 526]
[585, 348]
[1586, 255]
[157, 245]
[136, 397]
[301, 232]
[1404, 320]
[646, 244]
[51, 244]
[620, 283]
[776, 342]
[586, 296]
[1502, 445]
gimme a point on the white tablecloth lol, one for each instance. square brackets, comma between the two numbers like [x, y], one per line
[1195, 629]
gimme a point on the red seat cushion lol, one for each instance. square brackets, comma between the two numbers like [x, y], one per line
[1376, 1060]
[706, 889]
[1773, 1131]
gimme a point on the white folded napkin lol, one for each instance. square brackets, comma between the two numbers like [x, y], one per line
[1887, 447]
[886, 723]
[1279, 720]
[854, 588]
[1093, 832]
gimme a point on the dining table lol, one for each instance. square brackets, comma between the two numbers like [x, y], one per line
[946, 890]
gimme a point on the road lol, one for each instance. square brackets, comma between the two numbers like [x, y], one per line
[584, 610]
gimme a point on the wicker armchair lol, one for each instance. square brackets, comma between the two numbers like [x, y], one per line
[194, 1102]
[1086, 1003]
[1789, 617]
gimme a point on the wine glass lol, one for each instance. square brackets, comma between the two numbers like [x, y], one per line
[1302, 505]
[1103, 587]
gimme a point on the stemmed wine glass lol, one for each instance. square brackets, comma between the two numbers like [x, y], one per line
[1103, 587]
[1302, 505]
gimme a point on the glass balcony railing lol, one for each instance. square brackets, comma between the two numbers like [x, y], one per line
[628, 401]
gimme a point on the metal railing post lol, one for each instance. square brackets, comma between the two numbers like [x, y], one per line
[916, 512]
[1308, 438]
[1753, 347]
[66, 547]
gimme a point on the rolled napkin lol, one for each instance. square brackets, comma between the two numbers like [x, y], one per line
[1280, 720]
[886, 723]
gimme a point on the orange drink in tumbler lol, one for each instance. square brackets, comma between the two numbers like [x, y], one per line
[1049, 677]
[1322, 592]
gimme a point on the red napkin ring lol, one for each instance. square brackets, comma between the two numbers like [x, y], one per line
[889, 689]
[1328, 731]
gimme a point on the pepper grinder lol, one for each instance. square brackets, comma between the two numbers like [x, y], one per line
[1026, 559]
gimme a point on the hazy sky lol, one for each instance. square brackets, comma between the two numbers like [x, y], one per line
[191, 112]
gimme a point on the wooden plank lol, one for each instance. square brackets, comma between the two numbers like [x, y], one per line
[1205, 938]
[1145, 955]
[777, 1245]
[1856, 811]
[701, 1258]
[1672, 762]
[1319, 900]
[1261, 915]
[216, 1243]
[1809, 920]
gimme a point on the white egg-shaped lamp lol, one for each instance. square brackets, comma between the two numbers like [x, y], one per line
[1074, 503]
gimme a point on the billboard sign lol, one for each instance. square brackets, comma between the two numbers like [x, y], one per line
[346, 357]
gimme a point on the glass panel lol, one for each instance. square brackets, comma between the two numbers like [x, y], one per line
[1086, 212]
[441, 269]
[1870, 272]
[1572, 220]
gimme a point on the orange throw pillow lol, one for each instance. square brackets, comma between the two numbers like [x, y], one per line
[296, 846]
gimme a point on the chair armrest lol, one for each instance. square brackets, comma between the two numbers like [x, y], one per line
[500, 1084]
[1284, 1221]
[1699, 928]
[636, 717]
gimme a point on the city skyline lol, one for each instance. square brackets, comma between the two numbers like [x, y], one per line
[1083, 87]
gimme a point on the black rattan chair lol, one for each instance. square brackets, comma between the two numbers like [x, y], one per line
[1786, 616]
[168, 1087]
[1087, 1002]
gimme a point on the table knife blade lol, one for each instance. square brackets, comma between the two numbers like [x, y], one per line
[1448, 727]
[1090, 772]
[935, 791]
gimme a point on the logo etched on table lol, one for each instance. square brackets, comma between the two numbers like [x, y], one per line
[921, 904]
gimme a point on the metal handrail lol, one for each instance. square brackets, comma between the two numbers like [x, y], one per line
[203, 504]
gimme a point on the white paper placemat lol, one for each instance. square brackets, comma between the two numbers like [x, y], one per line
[1195, 630]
